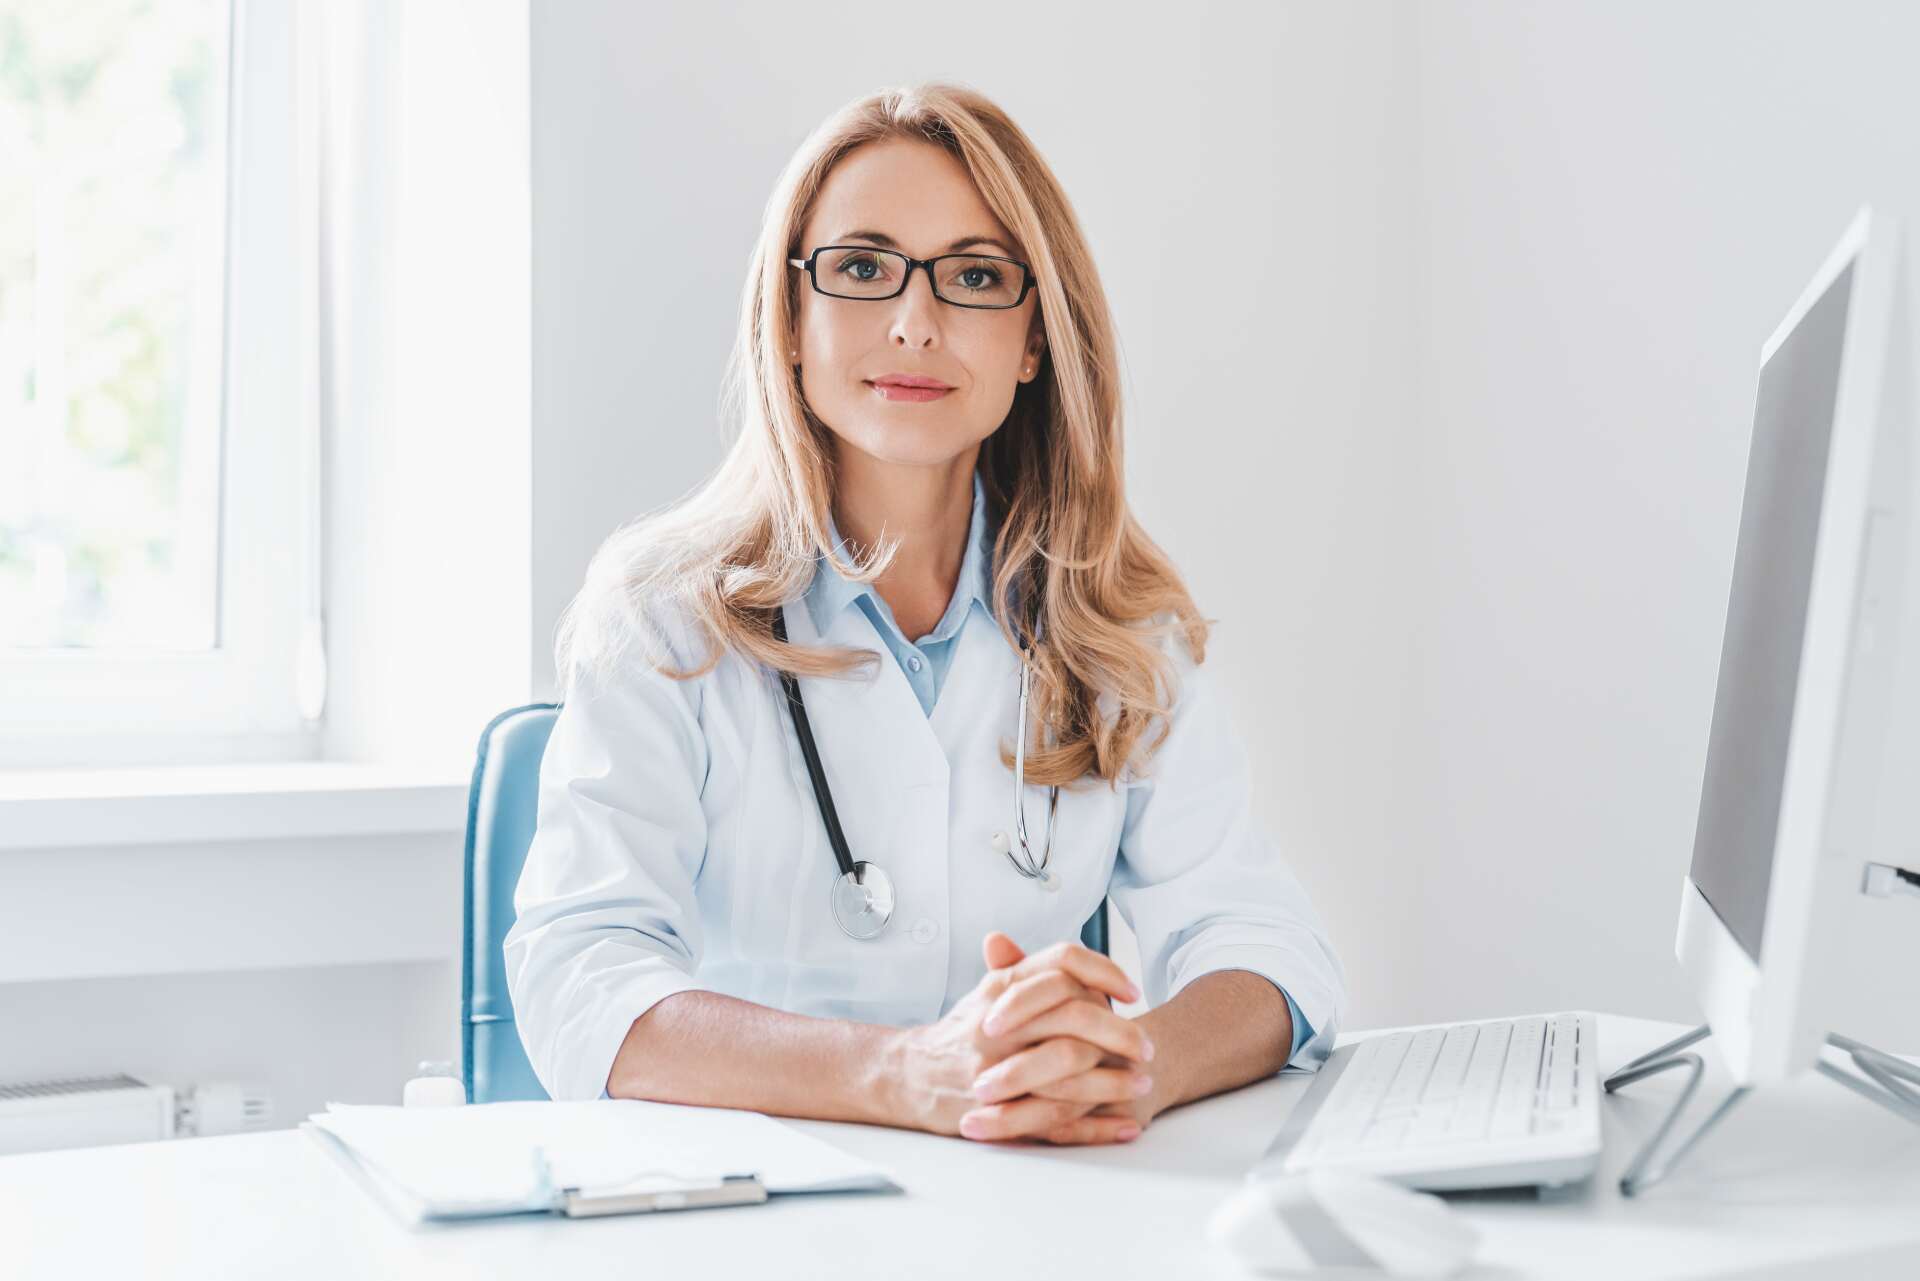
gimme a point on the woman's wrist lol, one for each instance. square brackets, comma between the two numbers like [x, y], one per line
[1221, 1031]
[883, 1083]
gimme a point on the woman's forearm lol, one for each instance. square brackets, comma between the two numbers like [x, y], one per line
[718, 1051]
[1223, 1030]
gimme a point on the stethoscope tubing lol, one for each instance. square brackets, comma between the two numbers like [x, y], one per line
[857, 875]
[815, 770]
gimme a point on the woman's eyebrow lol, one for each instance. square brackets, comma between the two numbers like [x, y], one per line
[885, 241]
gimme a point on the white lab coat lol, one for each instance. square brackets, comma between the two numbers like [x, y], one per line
[679, 846]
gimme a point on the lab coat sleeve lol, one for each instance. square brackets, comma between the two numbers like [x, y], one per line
[607, 924]
[1203, 888]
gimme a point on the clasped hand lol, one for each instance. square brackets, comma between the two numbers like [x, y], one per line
[1035, 1050]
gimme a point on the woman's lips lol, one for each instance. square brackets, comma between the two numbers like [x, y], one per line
[894, 391]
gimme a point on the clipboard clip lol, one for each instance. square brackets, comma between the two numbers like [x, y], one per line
[733, 1189]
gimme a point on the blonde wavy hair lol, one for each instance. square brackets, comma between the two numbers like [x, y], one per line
[1070, 563]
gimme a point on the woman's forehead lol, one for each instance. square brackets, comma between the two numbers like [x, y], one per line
[917, 197]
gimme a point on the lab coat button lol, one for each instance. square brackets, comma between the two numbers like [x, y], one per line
[924, 930]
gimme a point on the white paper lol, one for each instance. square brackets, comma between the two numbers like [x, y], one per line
[502, 1158]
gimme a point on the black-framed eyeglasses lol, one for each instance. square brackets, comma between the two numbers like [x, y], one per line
[962, 280]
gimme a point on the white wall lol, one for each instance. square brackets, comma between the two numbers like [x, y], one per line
[310, 1036]
[1446, 424]
[1245, 198]
[1616, 205]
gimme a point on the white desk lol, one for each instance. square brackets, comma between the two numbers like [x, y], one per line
[1806, 1181]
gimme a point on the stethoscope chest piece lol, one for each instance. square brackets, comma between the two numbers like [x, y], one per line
[863, 900]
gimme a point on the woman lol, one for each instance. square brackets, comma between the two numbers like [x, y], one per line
[929, 447]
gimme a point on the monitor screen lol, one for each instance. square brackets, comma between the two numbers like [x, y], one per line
[1766, 618]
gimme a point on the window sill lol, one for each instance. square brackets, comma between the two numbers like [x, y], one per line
[54, 808]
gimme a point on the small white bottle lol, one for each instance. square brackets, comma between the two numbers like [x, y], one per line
[434, 1085]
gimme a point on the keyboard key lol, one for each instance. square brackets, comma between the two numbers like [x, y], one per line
[1433, 1122]
[1403, 1096]
[1519, 1080]
[1376, 1074]
[1563, 1058]
[1474, 1107]
[1450, 1069]
[1386, 1133]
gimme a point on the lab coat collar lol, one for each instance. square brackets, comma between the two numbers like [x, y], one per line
[831, 592]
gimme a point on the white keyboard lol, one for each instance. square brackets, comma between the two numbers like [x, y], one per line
[1475, 1105]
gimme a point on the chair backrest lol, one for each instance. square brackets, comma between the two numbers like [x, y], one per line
[502, 805]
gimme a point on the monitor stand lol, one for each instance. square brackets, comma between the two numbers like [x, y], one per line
[1883, 1078]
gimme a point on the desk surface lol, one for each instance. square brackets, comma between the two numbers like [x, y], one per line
[1805, 1180]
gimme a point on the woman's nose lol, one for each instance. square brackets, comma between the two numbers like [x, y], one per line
[916, 317]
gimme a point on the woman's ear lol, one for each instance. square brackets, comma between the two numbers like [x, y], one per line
[1036, 348]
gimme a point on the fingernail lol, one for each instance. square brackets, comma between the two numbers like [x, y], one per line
[1148, 1051]
[992, 1025]
[972, 1127]
[983, 1087]
[1133, 992]
[1129, 1132]
[1142, 1084]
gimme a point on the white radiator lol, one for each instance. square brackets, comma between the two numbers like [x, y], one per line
[83, 1112]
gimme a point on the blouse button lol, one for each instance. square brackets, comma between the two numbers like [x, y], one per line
[913, 662]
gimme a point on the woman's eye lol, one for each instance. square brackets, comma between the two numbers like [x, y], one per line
[989, 277]
[852, 265]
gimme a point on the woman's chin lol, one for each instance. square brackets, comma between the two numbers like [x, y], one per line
[908, 446]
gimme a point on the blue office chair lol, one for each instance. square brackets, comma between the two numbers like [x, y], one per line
[501, 808]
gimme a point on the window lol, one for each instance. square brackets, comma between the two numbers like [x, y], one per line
[158, 411]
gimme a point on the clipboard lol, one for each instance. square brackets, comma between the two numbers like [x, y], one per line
[733, 1189]
[579, 1159]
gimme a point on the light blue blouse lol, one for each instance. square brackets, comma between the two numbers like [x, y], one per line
[925, 662]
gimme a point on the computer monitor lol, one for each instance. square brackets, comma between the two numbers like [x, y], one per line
[1791, 802]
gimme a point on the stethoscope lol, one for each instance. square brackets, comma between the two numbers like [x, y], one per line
[862, 896]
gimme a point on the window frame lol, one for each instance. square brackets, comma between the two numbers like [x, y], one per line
[258, 693]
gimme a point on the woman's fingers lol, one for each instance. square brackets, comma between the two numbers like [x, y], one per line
[1094, 1128]
[1097, 1025]
[1031, 996]
[1083, 963]
[1098, 1085]
[1019, 1118]
[1000, 951]
[1033, 1067]
[1050, 1120]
